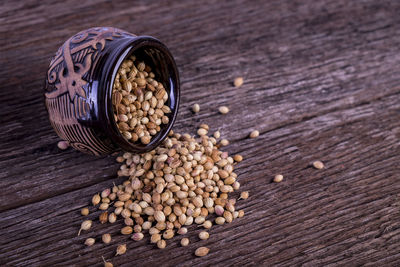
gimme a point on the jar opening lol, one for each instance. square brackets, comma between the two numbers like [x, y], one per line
[157, 56]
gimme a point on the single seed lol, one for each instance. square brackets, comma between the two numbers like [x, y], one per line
[278, 178]
[202, 131]
[241, 213]
[217, 134]
[318, 165]
[137, 236]
[159, 216]
[185, 242]
[196, 108]
[107, 263]
[238, 158]
[182, 231]
[127, 230]
[96, 199]
[224, 142]
[254, 134]
[220, 220]
[85, 226]
[223, 109]
[161, 244]
[112, 218]
[204, 235]
[238, 81]
[121, 249]
[63, 145]
[244, 195]
[103, 217]
[85, 211]
[207, 224]
[201, 251]
[89, 242]
[106, 238]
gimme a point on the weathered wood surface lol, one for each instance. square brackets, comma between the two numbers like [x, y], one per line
[322, 81]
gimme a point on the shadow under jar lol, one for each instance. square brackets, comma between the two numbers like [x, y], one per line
[79, 85]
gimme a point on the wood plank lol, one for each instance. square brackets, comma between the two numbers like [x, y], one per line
[321, 82]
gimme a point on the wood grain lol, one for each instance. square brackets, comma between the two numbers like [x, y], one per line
[322, 82]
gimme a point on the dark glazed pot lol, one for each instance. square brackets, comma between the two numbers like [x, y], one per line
[79, 86]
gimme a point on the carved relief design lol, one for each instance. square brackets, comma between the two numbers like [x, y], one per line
[68, 83]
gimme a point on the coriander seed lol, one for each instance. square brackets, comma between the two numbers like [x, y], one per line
[137, 236]
[85, 211]
[63, 145]
[85, 226]
[121, 249]
[238, 82]
[238, 158]
[223, 109]
[182, 231]
[201, 251]
[318, 165]
[161, 244]
[244, 195]
[254, 134]
[89, 241]
[204, 235]
[96, 199]
[278, 178]
[207, 224]
[196, 108]
[185, 242]
[106, 238]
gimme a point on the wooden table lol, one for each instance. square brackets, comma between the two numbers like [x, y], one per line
[322, 82]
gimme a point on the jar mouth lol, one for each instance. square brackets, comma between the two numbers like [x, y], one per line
[156, 54]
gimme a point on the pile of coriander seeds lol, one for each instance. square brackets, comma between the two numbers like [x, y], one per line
[139, 101]
[186, 180]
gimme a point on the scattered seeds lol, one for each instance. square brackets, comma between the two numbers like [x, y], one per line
[223, 110]
[318, 165]
[204, 235]
[121, 249]
[238, 81]
[106, 238]
[89, 241]
[85, 211]
[254, 134]
[85, 225]
[179, 183]
[201, 251]
[63, 145]
[196, 108]
[278, 178]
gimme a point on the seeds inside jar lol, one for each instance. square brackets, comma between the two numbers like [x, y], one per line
[139, 101]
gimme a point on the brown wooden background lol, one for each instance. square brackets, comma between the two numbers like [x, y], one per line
[322, 81]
